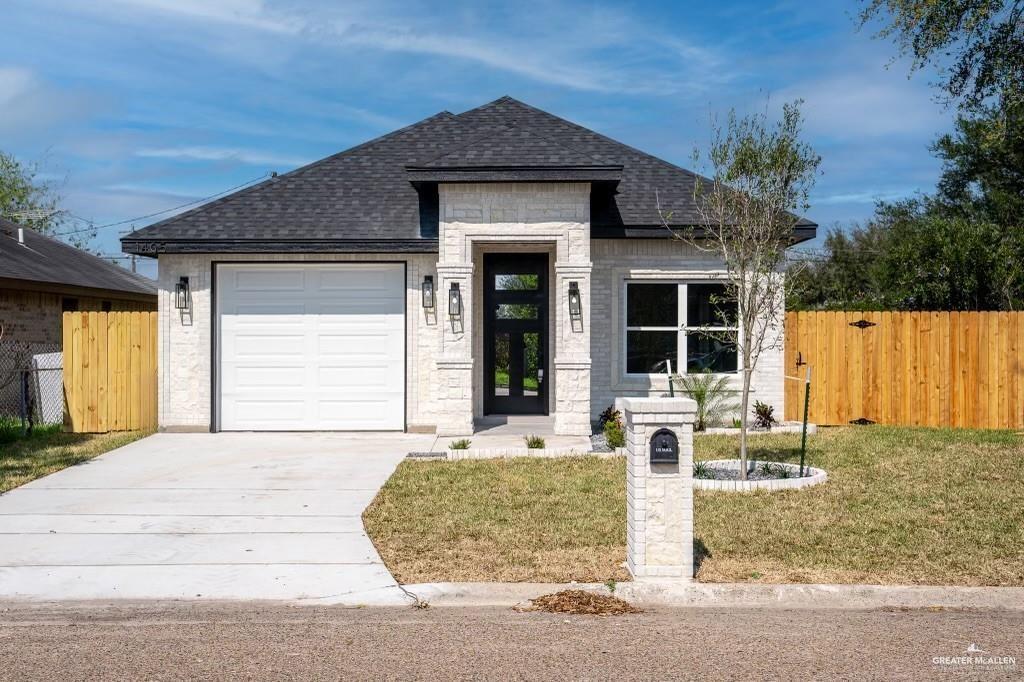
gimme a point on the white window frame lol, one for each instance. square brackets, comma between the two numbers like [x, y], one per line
[682, 329]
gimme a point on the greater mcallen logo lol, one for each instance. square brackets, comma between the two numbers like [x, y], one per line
[976, 656]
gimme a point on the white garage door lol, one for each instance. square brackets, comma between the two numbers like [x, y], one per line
[311, 347]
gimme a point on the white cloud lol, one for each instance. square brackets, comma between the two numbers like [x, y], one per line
[566, 49]
[866, 197]
[203, 153]
[27, 104]
[868, 103]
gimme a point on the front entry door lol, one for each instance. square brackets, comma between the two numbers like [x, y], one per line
[515, 333]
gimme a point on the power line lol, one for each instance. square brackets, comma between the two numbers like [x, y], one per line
[93, 228]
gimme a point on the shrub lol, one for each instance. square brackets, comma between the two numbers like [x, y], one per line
[534, 442]
[701, 470]
[614, 434]
[764, 415]
[712, 395]
[609, 414]
[461, 444]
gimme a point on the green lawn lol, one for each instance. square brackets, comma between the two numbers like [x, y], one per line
[49, 450]
[902, 505]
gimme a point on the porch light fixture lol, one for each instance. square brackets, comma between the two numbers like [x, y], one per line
[575, 306]
[428, 292]
[455, 301]
[181, 294]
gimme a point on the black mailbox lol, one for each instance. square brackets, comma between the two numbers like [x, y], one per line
[664, 447]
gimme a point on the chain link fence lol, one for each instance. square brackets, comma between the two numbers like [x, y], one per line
[31, 384]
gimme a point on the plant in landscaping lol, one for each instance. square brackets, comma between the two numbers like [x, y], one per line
[759, 177]
[701, 470]
[614, 432]
[712, 395]
[534, 442]
[737, 422]
[764, 415]
[767, 468]
[461, 444]
[609, 414]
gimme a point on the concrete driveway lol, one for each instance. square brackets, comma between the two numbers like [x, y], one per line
[212, 516]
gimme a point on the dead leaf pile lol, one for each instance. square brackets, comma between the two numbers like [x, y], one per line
[582, 602]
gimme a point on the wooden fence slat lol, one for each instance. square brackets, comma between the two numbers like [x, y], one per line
[109, 370]
[950, 369]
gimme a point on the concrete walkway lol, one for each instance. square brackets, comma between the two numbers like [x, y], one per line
[213, 516]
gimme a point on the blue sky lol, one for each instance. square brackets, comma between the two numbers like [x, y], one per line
[136, 106]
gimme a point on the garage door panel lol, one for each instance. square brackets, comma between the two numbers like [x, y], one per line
[271, 279]
[252, 344]
[355, 278]
[312, 347]
[284, 375]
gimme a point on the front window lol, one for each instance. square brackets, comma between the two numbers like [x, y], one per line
[693, 322]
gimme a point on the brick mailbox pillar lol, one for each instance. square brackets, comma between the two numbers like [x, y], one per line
[659, 486]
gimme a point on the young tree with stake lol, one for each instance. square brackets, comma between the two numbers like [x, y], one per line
[759, 179]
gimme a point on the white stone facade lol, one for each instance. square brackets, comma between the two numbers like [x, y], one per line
[444, 375]
[618, 261]
[659, 497]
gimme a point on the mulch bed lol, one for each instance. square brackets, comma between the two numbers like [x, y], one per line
[582, 603]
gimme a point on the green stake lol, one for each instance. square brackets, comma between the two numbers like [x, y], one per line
[807, 402]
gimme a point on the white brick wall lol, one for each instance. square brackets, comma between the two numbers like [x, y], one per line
[185, 344]
[587, 370]
[508, 217]
[659, 497]
[619, 260]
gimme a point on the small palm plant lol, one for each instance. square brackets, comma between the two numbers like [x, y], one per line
[712, 395]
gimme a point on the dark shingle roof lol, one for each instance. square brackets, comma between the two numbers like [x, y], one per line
[374, 196]
[45, 260]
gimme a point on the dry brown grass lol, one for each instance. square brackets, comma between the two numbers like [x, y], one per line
[902, 505]
[512, 520]
[26, 459]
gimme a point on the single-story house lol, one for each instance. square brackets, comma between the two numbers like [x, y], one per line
[42, 277]
[502, 261]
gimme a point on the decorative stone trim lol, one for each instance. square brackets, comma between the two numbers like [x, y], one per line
[813, 476]
[785, 427]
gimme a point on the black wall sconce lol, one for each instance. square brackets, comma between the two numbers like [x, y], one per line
[181, 294]
[455, 301]
[428, 292]
[575, 302]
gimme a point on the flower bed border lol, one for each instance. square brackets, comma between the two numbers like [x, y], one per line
[814, 476]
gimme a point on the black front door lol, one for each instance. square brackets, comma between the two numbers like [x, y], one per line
[515, 333]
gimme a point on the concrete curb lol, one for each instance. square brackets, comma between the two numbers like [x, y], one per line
[743, 595]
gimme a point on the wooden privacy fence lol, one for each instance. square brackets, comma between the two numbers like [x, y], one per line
[110, 371]
[957, 369]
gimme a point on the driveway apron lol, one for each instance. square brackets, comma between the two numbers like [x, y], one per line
[206, 516]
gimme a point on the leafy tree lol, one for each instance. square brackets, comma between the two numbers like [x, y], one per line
[759, 178]
[976, 45]
[916, 255]
[983, 166]
[32, 202]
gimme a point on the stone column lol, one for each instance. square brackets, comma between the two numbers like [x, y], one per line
[659, 497]
[572, 356]
[455, 364]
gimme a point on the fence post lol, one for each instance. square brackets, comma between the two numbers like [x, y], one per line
[26, 406]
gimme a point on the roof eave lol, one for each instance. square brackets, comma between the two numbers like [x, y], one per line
[155, 247]
[515, 174]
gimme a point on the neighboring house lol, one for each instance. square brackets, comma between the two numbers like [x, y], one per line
[42, 277]
[500, 261]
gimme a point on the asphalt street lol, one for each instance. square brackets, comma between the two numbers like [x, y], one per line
[260, 641]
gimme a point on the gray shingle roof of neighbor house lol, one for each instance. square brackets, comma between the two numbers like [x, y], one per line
[382, 196]
[43, 260]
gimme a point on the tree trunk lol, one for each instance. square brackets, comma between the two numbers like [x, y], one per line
[744, 404]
